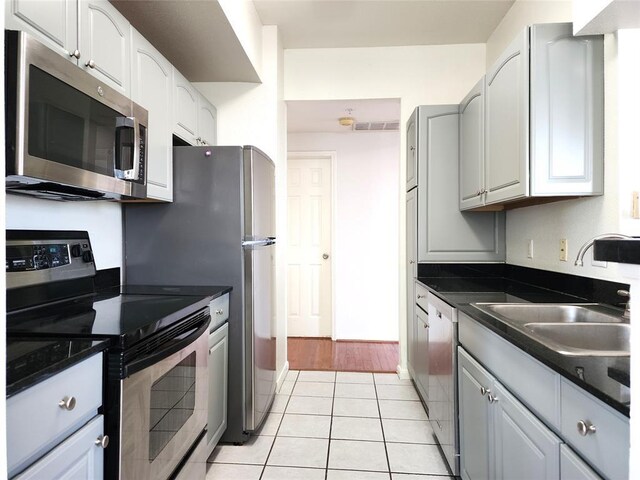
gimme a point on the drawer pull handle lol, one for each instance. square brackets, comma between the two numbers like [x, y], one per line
[67, 403]
[484, 391]
[586, 428]
[421, 296]
[219, 312]
[492, 398]
[102, 441]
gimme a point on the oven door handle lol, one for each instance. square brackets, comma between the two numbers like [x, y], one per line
[186, 339]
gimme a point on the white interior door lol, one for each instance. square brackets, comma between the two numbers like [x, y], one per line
[309, 246]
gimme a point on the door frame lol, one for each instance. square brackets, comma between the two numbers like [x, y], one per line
[333, 156]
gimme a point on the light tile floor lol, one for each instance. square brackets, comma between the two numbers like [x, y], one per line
[337, 426]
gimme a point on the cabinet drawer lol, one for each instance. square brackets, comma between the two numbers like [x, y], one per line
[219, 311]
[422, 297]
[77, 457]
[36, 422]
[441, 306]
[607, 448]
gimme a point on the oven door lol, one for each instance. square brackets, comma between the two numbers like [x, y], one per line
[164, 407]
[69, 127]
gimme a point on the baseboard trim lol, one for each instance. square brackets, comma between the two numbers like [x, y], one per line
[282, 376]
[390, 342]
[403, 373]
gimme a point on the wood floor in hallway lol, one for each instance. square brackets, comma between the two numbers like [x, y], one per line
[343, 356]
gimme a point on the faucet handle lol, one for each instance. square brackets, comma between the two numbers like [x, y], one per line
[623, 293]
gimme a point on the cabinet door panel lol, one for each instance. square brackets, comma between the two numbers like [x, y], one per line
[412, 151]
[421, 355]
[186, 109]
[411, 267]
[507, 125]
[475, 419]
[525, 448]
[78, 457]
[573, 468]
[566, 111]
[445, 233]
[471, 173]
[53, 22]
[152, 88]
[218, 376]
[106, 41]
[207, 122]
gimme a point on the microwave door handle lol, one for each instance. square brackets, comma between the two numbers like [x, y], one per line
[134, 172]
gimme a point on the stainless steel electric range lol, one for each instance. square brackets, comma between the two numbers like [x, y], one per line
[156, 380]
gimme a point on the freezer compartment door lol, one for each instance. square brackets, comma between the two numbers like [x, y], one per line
[261, 333]
[259, 194]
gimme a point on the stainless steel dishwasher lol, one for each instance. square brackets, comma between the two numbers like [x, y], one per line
[443, 379]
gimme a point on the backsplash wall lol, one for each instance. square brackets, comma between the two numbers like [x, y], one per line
[103, 221]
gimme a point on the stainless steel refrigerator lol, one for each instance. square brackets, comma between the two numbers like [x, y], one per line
[219, 230]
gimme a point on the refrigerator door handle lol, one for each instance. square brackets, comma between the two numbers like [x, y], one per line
[257, 243]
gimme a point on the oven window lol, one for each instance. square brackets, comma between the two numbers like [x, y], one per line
[173, 398]
[68, 127]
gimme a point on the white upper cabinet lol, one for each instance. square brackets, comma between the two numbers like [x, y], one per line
[105, 44]
[472, 148]
[53, 22]
[90, 33]
[195, 117]
[152, 88]
[412, 153]
[543, 123]
[507, 127]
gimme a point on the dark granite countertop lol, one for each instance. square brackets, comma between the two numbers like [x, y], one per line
[607, 378]
[32, 360]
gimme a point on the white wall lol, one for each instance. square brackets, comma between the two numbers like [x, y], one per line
[417, 75]
[246, 24]
[103, 221]
[521, 14]
[579, 220]
[255, 114]
[366, 230]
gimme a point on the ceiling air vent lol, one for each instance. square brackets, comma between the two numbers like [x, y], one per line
[377, 126]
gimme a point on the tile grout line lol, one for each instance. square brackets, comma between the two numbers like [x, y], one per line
[333, 401]
[384, 440]
[275, 437]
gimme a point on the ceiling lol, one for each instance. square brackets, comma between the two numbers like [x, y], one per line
[322, 115]
[376, 23]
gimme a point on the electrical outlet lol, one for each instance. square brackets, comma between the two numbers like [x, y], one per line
[530, 249]
[635, 206]
[564, 249]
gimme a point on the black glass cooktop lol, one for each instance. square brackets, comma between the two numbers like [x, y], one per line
[124, 318]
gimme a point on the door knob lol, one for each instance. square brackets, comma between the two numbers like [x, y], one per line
[325, 255]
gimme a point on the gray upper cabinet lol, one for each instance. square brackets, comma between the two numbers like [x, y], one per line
[543, 121]
[472, 147]
[444, 233]
[412, 152]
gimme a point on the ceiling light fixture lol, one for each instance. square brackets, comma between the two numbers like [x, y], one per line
[348, 120]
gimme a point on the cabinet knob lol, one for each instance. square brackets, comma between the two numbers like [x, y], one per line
[492, 398]
[67, 403]
[586, 428]
[75, 53]
[484, 391]
[102, 441]
[411, 262]
[90, 64]
[438, 314]
[325, 255]
[219, 311]
[412, 148]
[421, 296]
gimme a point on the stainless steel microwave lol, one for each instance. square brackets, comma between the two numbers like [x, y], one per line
[68, 135]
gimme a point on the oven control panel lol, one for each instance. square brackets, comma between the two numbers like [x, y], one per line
[38, 257]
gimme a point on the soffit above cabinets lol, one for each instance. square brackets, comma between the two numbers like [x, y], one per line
[195, 36]
[381, 23]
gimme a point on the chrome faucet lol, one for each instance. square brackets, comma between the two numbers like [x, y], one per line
[589, 243]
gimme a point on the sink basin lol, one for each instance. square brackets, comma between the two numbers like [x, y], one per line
[522, 313]
[573, 330]
[585, 339]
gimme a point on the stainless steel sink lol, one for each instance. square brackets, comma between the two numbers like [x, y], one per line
[606, 339]
[574, 330]
[551, 312]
